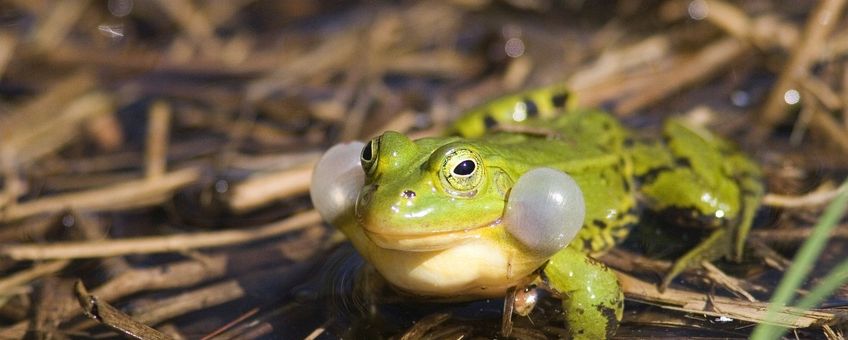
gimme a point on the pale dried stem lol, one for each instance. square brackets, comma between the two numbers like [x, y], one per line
[701, 66]
[357, 114]
[818, 197]
[821, 91]
[49, 309]
[167, 276]
[44, 107]
[799, 129]
[845, 95]
[335, 52]
[104, 313]
[402, 122]
[120, 196]
[205, 297]
[156, 244]
[651, 84]
[726, 281]
[58, 23]
[823, 19]
[795, 234]
[717, 306]
[10, 282]
[440, 63]
[158, 127]
[262, 189]
[618, 61]
[764, 32]
[7, 50]
[516, 74]
[275, 162]
[194, 22]
[47, 137]
[823, 122]
[730, 18]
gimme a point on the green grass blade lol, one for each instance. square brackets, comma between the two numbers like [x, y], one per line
[835, 279]
[803, 262]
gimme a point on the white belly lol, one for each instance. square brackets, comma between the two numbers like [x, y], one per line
[479, 267]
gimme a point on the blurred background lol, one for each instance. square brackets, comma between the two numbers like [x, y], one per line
[160, 151]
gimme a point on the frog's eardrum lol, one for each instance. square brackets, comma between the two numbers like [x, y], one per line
[337, 179]
[545, 210]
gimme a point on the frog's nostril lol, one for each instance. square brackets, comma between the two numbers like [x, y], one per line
[408, 194]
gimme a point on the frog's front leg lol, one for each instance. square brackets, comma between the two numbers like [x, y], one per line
[544, 212]
[695, 177]
[591, 295]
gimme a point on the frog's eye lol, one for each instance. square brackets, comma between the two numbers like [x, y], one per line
[368, 156]
[465, 168]
[461, 171]
[545, 210]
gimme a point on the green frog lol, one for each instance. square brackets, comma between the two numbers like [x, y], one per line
[529, 185]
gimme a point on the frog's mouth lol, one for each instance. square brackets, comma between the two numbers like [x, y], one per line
[427, 241]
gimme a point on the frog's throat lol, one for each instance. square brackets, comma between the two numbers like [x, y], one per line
[431, 241]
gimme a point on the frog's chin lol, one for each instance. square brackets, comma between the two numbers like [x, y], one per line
[421, 242]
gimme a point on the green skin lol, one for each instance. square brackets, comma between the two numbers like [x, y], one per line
[432, 233]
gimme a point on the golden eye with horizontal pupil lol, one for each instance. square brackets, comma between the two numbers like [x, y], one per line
[462, 171]
[368, 156]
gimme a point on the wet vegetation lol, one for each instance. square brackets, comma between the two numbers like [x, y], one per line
[155, 156]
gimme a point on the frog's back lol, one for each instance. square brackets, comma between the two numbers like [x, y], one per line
[540, 128]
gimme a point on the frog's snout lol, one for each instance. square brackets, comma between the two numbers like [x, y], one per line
[408, 194]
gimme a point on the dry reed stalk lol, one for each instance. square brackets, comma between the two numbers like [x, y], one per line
[717, 306]
[784, 235]
[821, 22]
[157, 244]
[43, 108]
[58, 23]
[818, 197]
[24, 277]
[7, 50]
[114, 318]
[262, 189]
[137, 193]
[156, 153]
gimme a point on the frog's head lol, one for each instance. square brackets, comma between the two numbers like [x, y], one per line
[428, 194]
[435, 193]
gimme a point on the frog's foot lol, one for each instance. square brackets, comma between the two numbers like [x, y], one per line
[545, 210]
[719, 244]
[591, 295]
[519, 300]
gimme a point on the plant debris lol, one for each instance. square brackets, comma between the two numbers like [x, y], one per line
[160, 152]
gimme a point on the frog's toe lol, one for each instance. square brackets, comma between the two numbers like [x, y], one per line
[336, 180]
[545, 210]
[716, 246]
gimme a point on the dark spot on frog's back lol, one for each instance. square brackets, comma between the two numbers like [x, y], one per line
[408, 194]
[531, 107]
[489, 122]
[612, 321]
[683, 162]
[600, 224]
[559, 99]
[587, 244]
[651, 175]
